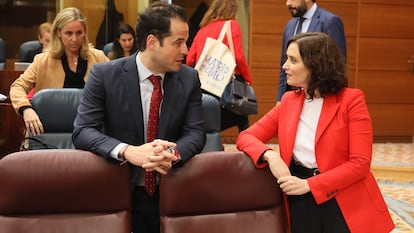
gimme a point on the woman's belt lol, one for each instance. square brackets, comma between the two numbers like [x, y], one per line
[303, 172]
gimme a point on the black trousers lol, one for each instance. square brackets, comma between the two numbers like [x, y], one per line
[307, 216]
[145, 211]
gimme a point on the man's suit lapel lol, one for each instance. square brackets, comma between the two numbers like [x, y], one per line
[313, 26]
[329, 109]
[291, 29]
[132, 94]
[170, 97]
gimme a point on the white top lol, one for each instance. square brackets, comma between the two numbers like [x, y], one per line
[304, 148]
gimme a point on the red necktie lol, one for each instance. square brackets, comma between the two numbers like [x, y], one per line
[154, 112]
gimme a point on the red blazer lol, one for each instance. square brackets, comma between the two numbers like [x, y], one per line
[343, 148]
[213, 30]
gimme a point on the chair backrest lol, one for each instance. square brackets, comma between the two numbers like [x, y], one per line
[221, 192]
[211, 111]
[57, 109]
[27, 47]
[2, 54]
[49, 191]
[108, 48]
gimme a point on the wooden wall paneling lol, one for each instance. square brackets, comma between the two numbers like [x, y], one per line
[384, 74]
[388, 2]
[265, 50]
[387, 21]
[351, 47]
[268, 17]
[392, 122]
[387, 87]
[385, 54]
[265, 82]
[94, 11]
[347, 11]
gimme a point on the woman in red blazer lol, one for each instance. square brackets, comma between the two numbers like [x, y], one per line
[325, 140]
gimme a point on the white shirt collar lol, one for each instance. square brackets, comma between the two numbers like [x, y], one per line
[144, 72]
[309, 14]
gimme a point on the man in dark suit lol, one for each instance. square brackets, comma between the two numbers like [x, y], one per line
[113, 115]
[314, 19]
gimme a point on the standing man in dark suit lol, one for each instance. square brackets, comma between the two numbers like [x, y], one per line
[314, 19]
[113, 115]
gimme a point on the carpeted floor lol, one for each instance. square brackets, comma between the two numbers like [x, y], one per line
[399, 195]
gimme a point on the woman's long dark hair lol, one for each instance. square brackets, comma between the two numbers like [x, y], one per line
[323, 57]
[117, 50]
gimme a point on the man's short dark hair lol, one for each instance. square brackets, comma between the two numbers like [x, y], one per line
[155, 20]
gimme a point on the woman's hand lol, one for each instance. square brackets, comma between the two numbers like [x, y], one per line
[32, 122]
[276, 164]
[293, 185]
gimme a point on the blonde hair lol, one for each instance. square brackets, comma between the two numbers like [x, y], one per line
[220, 9]
[44, 27]
[65, 16]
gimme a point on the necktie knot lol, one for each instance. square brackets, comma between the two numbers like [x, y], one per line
[155, 80]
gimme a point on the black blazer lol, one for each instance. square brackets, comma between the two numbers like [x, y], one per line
[110, 111]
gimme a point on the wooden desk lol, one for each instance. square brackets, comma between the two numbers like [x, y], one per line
[11, 124]
[10, 63]
[7, 77]
[11, 129]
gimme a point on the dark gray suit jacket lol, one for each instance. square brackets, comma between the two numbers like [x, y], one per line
[110, 111]
[322, 21]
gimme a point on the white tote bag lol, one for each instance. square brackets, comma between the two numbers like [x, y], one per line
[216, 63]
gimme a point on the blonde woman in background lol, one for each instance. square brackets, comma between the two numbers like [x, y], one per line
[66, 64]
[43, 35]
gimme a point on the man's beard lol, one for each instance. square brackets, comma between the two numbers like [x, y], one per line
[298, 11]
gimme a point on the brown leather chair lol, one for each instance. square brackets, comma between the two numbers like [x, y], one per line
[221, 192]
[58, 191]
